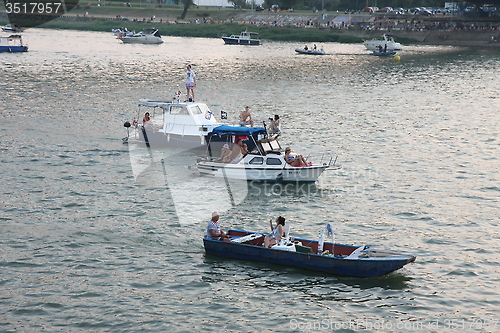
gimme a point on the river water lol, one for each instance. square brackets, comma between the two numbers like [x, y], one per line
[98, 236]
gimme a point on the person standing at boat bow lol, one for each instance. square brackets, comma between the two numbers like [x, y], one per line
[214, 231]
[190, 83]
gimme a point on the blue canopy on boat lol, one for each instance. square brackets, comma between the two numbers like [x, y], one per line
[237, 130]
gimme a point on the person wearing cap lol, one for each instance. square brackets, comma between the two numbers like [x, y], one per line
[246, 117]
[214, 231]
[225, 154]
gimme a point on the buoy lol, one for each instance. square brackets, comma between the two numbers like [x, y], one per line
[396, 58]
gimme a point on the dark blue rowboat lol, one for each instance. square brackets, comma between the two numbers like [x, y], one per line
[383, 53]
[346, 260]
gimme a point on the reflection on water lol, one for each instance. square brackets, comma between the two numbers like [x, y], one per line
[248, 273]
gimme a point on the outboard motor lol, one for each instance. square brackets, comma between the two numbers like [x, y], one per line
[127, 126]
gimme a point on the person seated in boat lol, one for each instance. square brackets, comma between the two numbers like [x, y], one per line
[225, 154]
[385, 48]
[240, 150]
[314, 47]
[246, 117]
[277, 232]
[295, 161]
[275, 125]
[146, 121]
[214, 230]
[306, 48]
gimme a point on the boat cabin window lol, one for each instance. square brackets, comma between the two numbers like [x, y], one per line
[273, 161]
[196, 110]
[178, 110]
[256, 160]
[203, 109]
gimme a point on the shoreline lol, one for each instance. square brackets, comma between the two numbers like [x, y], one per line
[307, 27]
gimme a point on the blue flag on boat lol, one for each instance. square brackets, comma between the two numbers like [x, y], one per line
[329, 230]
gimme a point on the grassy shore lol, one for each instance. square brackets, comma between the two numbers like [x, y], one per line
[106, 15]
[213, 30]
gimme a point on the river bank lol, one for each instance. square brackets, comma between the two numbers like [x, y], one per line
[284, 26]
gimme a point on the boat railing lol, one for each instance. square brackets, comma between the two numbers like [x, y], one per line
[322, 159]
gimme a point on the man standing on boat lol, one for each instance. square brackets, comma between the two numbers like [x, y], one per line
[190, 83]
[214, 231]
[246, 117]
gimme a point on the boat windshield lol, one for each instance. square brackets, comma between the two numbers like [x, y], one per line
[179, 110]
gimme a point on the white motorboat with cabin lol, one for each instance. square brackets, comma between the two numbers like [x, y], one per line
[245, 38]
[376, 44]
[265, 161]
[12, 43]
[148, 36]
[172, 123]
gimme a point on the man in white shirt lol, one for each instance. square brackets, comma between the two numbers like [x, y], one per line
[214, 231]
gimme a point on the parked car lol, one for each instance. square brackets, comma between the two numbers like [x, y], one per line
[386, 10]
[369, 9]
[425, 12]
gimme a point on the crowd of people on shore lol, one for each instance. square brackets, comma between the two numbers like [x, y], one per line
[385, 25]
[347, 22]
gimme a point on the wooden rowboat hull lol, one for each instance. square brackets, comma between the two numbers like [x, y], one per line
[382, 263]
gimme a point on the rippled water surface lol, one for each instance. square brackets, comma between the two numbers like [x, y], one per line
[97, 236]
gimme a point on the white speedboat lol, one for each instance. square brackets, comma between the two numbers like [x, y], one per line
[12, 43]
[245, 38]
[12, 28]
[148, 36]
[376, 44]
[265, 161]
[172, 123]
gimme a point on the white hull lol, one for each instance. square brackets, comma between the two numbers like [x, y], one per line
[148, 36]
[235, 171]
[141, 40]
[374, 44]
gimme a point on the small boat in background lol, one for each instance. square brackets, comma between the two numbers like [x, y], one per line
[172, 124]
[12, 28]
[245, 38]
[122, 32]
[324, 257]
[383, 53]
[12, 43]
[387, 42]
[148, 36]
[313, 52]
